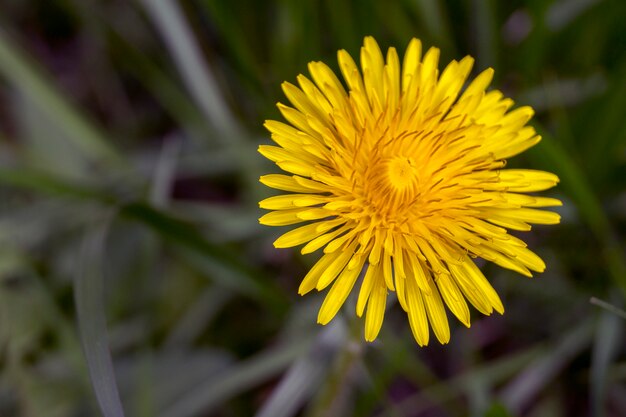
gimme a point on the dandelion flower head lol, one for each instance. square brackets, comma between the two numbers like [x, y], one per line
[399, 178]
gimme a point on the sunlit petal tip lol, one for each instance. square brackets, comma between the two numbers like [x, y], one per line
[286, 86]
[467, 61]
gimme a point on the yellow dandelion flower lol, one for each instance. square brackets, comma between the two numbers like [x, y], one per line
[399, 177]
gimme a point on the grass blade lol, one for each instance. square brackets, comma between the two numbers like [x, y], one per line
[220, 388]
[562, 13]
[434, 18]
[484, 29]
[607, 341]
[88, 295]
[305, 375]
[197, 76]
[609, 307]
[537, 375]
[203, 87]
[226, 268]
[577, 186]
[20, 71]
[44, 183]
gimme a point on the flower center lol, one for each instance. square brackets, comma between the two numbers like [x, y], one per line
[402, 173]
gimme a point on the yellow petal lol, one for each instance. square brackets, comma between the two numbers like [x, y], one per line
[282, 217]
[453, 298]
[391, 82]
[417, 313]
[290, 201]
[338, 293]
[322, 240]
[328, 83]
[471, 272]
[494, 255]
[417, 271]
[388, 271]
[315, 95]
[410, 63]
[437, 314]
[524, 180]
[301, 101]
[312, 277]
[298, 236]
[471, 290]
[375, 310]
[314, 213]
[369, 280]
[350, 71]
[289, 183]
[333, 269]
[376, 250]
[534, 216]
[372, 64]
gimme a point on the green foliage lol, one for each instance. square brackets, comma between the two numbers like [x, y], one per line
[128, 216]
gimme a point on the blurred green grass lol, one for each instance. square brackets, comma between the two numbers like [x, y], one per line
[128, 214]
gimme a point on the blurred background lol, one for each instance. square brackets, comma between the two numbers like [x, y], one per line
[132, 264]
